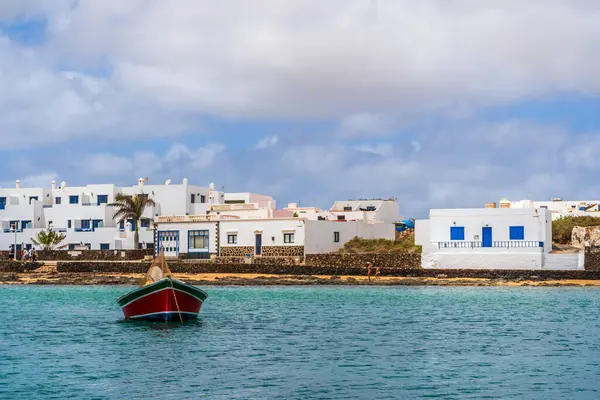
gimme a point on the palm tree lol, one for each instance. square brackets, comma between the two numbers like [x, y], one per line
[49, 240]
[131, 207]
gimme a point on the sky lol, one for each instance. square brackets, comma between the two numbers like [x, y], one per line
[436, 103]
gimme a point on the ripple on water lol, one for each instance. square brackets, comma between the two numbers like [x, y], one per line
[306, 342]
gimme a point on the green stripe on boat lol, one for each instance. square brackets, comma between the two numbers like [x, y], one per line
[163, 283]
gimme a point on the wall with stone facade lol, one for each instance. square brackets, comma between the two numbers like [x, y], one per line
[283, 251]
[383, 260]
[592, 259]
[66, 255]
[236, 251]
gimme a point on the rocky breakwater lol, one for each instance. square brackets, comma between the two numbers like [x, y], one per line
[17, 266]
[91, 255]
[585, 236]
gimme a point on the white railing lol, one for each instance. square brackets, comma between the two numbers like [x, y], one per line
[194, 218]
[466, 244]
[234, 207]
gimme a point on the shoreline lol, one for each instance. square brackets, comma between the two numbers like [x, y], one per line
[247, 279]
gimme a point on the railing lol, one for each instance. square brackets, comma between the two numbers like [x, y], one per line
[465, 244]
[194, 218]
[234, 207]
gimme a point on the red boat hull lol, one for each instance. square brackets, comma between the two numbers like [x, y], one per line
[164, 300]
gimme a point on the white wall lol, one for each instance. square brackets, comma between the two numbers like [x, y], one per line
[320, 234]
[441, 252]
[272, 231]
[534, 221]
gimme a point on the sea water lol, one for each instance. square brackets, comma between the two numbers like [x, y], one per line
[59, 342]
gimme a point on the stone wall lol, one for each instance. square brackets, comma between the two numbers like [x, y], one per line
[592, 259]
[283, 251]
[66, 255]
[383, 260]
[236, 251]
[184, 267]
[107, 266]
[16, 266]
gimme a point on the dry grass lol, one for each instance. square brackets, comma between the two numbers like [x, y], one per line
[404, 243]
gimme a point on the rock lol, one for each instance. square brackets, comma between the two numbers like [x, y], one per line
[442, 276]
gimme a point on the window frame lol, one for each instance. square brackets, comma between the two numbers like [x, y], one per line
[457, 233]
[102, 199]
[199, 233]
[104, 246]
[73, 197]
[516, 232]
[232, 238]
[58, 200]
[288, 237]
[336, 237]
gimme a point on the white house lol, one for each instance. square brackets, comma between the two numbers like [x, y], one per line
[558, 207]
[366, 210]
[83, 215]
[226, 235]
[494, 238]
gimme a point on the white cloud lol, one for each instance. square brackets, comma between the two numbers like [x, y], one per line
[266, 142]
[380, 149]
[159, 64]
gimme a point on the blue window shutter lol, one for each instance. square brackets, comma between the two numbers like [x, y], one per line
[517, 233]
[457, 233]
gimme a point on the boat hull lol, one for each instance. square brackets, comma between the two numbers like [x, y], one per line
[164, 300]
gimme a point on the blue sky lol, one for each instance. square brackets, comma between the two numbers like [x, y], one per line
[438, 105]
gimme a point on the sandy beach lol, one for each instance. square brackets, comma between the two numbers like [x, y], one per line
[224, 279]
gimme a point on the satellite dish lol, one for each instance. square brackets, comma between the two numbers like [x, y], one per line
[168, 181]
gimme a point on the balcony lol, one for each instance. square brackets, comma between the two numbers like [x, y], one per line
[234, 207]
[502, 244]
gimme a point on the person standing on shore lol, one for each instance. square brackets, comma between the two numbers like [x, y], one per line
[377, 271]
[369, 271]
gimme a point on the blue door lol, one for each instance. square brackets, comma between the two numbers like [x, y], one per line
[486, 236]
[258, 248]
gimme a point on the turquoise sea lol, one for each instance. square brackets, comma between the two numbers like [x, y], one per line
[59, 342]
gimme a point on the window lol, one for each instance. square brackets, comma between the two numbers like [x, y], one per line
[517, 233]
[97, 223]
[193, 198]
[336, 237]
[2, 203]
[69, 223]
[104, 246]
[288, 238]
[202, 198]
[341, 217]
[26, 225]
[347, 208]
[457, 233]
[198, 240]
[150, 246]
[31, 198]
[232, 238]
[85, 224]
[72, 246]
[102, 199]
[73, 199]
[145, 223]
[122, 225]
[57, 200]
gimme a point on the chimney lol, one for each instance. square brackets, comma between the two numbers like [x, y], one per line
[141, 182]
[63, 184]
[185, 181]
[18, 184]
[53, 185]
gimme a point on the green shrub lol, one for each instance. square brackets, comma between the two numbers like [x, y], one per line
[563, 227]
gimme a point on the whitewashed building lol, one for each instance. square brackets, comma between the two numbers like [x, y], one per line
[83, 215]
[229, 234]
[558, 207]
[491, 238]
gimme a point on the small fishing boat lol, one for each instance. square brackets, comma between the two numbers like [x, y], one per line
[160, 297]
